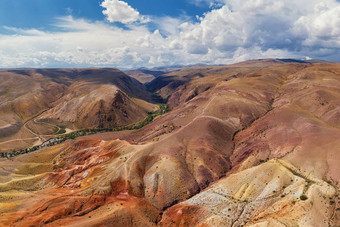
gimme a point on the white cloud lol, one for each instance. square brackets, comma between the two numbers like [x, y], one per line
[293, 27]
[239, 30]
[210, 3]
[120, 11]
[80, 43]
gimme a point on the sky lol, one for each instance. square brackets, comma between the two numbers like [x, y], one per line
[150, 33]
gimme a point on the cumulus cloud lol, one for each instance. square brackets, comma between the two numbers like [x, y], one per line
[238, 30]
[291, 27]
[120, 11]
[81, 43]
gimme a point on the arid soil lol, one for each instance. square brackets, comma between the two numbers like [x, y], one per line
[251, 144]
[36, 102]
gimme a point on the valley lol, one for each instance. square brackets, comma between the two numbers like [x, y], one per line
[255, 143]
[35, 101]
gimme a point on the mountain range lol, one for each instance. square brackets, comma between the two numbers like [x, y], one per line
[255, 143]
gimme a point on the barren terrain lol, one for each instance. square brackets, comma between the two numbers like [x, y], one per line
[250, 144]
[35, 103]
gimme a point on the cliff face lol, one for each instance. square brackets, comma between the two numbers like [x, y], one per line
[254, 144]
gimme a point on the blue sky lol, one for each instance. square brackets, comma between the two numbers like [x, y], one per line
[149, 33]
[42, 13]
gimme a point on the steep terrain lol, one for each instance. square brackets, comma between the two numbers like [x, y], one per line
[35, 102]
[251, 144]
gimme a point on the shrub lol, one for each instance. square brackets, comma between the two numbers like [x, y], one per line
[62, 131]
[303, 197]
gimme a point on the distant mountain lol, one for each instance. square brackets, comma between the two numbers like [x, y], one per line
[286, 60]
[178, 67]
[145, 75]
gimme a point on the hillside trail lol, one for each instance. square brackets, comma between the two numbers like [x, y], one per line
[40, 139]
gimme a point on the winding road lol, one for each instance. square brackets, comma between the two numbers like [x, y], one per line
[40, 138]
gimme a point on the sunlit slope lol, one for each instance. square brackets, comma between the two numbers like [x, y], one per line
[253, 144]
[35, 103]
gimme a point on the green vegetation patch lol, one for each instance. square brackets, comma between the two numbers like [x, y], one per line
[303, 197]
[60, 130]
[163, 108]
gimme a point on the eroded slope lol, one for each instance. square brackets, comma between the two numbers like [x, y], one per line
[35, 103]
[240, 147]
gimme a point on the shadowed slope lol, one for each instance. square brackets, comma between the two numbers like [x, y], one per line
[36, 102]
[202, 163]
